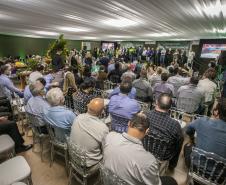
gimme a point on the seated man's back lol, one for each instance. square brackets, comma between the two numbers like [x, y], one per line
[211, 135]
[163, 127]
[189, 99]
[125, 155]
[88, 131]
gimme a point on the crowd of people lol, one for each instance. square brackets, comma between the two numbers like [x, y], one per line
[69, 97]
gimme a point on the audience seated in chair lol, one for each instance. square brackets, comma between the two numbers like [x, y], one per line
[190, 98]
[10, 128]
[122, 106]
[57, 115]
[125, 155]
[163, 87]
[28, 88]
[211, 133]
[7, 84]
[143, 88]
[83, 96]
[36, 105]
[88, 131]
[163, 126]
[131, 94]
[178, 80]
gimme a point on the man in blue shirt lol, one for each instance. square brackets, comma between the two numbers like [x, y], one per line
[211, 132]
[27, 90]
[121, 104]
[132, 92]
[37, 104]
[7, 84]
[57, 115]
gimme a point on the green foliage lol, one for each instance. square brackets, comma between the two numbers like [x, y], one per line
[32, 64]
[59, 44]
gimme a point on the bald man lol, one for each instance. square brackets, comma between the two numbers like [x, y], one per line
[164, 127]
[88, 131]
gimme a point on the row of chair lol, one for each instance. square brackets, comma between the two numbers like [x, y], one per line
[8, 173]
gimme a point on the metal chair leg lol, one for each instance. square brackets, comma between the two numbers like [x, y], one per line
[41, 145]
[52, 152]
[66, 160]
[70, 175]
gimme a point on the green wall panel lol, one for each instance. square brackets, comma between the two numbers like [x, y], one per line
[20, 46]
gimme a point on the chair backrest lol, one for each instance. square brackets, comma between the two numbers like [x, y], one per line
[19, 102]
[158, 147]
[208, 168]
[110, 178]
[144, 106]
[181, 116]
[58, 135]
[77, 157]
[187, 104]
[34, 121]
[109, 85]
[118, 123]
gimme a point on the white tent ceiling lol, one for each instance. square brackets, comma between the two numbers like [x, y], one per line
[114, 19]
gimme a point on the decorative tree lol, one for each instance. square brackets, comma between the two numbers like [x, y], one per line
[59, 44]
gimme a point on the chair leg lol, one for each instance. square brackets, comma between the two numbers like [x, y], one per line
[70, 175]
[52, 153]
[29, 180]
[85, 180]
[66, 160]
[41, 145]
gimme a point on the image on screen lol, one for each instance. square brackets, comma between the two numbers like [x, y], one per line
[212, 50]
[107, 45]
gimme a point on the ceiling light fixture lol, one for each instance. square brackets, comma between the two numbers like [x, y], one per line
[120, 22]
[72, 29]
[73, 17]
[161, 34]
[89, 38]
[118, 36]
[48, 33]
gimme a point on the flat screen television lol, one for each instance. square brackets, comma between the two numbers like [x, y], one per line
[108, 45]
[212, 50]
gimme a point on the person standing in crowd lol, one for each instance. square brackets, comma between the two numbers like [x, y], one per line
[7, 84]
[88, 131]
[126, 157]
[162, 126]
[57, 62]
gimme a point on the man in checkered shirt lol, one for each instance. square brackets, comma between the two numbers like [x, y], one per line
[163, 127]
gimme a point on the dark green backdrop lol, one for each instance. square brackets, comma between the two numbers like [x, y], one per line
[20, 46]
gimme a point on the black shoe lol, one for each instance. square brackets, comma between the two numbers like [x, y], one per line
[23, 148]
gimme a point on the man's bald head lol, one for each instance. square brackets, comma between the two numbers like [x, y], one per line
[96, 106]
[164, 102]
